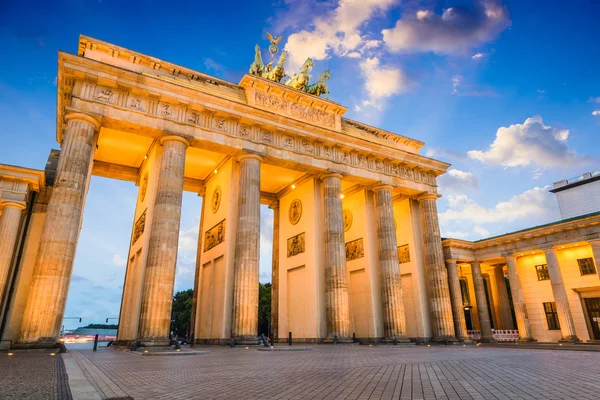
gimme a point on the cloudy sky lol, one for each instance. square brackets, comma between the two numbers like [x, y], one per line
[508, 92]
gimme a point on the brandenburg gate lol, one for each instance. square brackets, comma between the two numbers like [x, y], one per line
[356, 243]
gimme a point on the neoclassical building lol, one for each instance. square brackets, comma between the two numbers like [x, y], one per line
[551, 272]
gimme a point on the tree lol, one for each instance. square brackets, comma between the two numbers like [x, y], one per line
[264, 308]
[181, 314]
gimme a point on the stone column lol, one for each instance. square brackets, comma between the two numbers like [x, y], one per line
[336, 281]
[482, 308]
[503, 301]
[437, 281]
[247, 250]
[518, 300]
[275, 271]
[596, 254]
[198, 270]
[458, 310]
[54, 263]
[567, 326]
[159, 280]
[9, 231]
[394, 322]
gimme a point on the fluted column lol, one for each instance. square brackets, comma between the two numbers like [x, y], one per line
[394, 322]
[336, 282]
[437, 281]
[482, 307]
[503, 301]
[596, 254]
[54, 263]
[518, 301]
[247, 251]
[275, 274]
[458, 310]
[159, 279]
[9, 230]
[567, 326]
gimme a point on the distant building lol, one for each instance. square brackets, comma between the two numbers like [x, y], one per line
[578, 196]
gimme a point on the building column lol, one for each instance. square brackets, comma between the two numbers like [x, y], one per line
[394, 322]
[503, 301]
[482, 307]
[9, 231]
[54, 263]
[198, 270]
[440, 306]
[275, 274]
[247, 250]
[518, 300]
[159, 279]
[596, 255]
[567, 326]
[336, 282]
[458, 310]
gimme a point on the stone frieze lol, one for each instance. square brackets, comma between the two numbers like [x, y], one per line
[294, 110]
[214, 236]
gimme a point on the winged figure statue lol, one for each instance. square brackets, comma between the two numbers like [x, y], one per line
[273, 49]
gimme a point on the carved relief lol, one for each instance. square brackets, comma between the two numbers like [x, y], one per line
[144, 187]
[105, 95]
[312, 115]
[378, 165]
[346, 157]
[362, 161]
[138, 227]
[194, 118]
[244, 131]
[216, 199]
[327, 151]
[296, 245]
[295, 212]
[308, 146]
[266, 136]
[347, 217]
[166, 110]
[220, 124]
[214, 236]
[403, 254]
[354, 250]
[136, 104]
[288, 143]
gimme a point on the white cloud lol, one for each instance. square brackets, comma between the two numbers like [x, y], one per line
[336, 33]
[119, 261]
[188, 240]
[477, 56]
[456, 30]
[481, 231]
[529, 143]
[456, 181]
[454, 234]
[596, 113]
[594, 100]
[535, 203]
[380, 81]
[456, 80]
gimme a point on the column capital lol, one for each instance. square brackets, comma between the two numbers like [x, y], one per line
[331, 175]
[15, 204]
[174, 138]
[246, 156]
[475, 263]
[274, 205]
[380, 187]
[428, 196]
[451, 260]
[83, 117]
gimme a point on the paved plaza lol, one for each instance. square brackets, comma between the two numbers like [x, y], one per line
[326, 372]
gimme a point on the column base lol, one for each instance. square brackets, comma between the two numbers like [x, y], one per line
[526, 340]
[443, 339]
[339, 340]
[39, 344]
[570, 339]
[487, 340]
[396, 339]
[155, 342]
[465, 341]
[250, 340]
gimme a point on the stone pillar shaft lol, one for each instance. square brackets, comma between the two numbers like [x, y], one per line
[247, 251]
[503, 301]
[596, 255]
[9, 231]
[159, 280]
[440, 305]
[54, 263]
[567, 325]
[336, 282]
[518, 300]
[460, 326]
[394, 323]
[482, 307]
[275, 281]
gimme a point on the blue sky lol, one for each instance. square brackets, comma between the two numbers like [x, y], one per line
[505, 91]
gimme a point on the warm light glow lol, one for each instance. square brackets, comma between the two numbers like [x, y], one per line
[178, 350]
[562, 247]
[146, 157]
[341, 196]
[293, 186]
[52, 354]
[10, 354]
[216, 171]
[145, 351]
[246, 348]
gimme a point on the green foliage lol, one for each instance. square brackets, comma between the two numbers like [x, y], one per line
[100, 326]
[181, 315]
[264, 308]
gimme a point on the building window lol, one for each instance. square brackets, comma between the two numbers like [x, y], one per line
[551, 316]
[586, 266]
[542, 272]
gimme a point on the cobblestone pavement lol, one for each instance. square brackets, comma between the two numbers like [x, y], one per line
[33, 375]
[349, 372]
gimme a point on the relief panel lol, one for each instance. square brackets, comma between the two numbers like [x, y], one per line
[214, 236]
[296, 245]
[355, 250]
